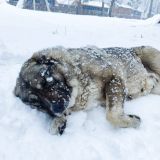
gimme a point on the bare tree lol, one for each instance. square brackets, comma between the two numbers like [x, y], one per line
[78, 5]
[111, 7]
[47, 5]
[150, 8]
[102, 7]
[34, 5]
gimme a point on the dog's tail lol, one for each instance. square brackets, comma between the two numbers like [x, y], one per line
[150, 58]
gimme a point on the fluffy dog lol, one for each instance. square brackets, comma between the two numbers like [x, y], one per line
[59, 81]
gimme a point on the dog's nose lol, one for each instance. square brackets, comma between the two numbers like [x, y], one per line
[57, 108]
[54, 107]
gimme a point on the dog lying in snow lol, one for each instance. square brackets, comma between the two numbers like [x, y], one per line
[59, 81]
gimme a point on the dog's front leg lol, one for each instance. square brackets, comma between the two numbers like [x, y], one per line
[115, 96]
[58, 125]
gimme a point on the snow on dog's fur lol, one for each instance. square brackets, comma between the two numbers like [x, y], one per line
[59, 81]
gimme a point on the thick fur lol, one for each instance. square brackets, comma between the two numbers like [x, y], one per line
[59, 81]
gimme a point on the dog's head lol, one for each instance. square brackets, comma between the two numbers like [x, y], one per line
[41, 84]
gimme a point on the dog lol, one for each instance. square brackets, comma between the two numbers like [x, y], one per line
[61, 80]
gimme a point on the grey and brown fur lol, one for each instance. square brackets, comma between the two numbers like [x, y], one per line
[60, 80]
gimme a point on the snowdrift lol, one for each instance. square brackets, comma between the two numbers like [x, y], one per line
[154, 20]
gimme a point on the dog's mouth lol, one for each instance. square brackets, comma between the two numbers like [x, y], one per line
[51, 99]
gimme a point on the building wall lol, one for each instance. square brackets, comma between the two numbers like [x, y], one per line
[126, 12]
[81, 9]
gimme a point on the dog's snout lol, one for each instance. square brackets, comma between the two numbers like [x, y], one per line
[57, 107]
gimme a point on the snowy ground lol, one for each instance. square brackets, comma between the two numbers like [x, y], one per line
[24, 132]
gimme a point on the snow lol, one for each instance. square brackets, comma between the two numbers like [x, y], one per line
[153, 20]
[20, 3]
[96, 4]
[2, 1]
[24, 131]
[124, 6]
[68, 2]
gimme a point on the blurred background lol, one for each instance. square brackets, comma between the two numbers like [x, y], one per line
[137, 9]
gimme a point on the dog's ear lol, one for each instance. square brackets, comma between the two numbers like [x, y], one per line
[40, 72]
[32, 74]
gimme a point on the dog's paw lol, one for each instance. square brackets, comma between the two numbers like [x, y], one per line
[58, 125]
[124, 121]
[134, 121]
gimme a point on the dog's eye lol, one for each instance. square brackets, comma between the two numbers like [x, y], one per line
[142, 90]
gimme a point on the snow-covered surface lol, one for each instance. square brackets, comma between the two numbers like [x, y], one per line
[96, 3]
[20, 4]
[2, 1]
[69, 2]
[124, 6]
[153, 20]
[88, 136]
